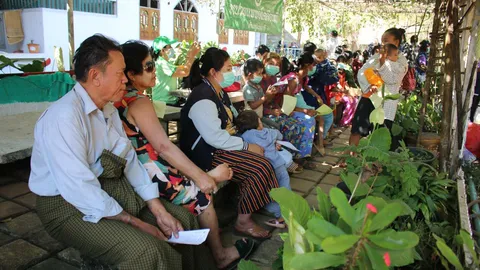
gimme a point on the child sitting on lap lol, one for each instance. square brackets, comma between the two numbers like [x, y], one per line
[251, 127]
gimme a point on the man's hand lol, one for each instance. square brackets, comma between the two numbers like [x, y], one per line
[168, 224]
[148, 228]
[255, 148]
[139, 224]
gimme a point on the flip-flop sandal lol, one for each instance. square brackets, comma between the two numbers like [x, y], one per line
[250, 233]
[310, 166]
[244, 247]
[276, 223]
[295, 168]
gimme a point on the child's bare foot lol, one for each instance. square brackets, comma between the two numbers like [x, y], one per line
[221, 173]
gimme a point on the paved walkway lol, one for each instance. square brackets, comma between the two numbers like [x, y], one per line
[24, 244]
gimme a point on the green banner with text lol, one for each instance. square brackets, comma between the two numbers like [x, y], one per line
[263, 16]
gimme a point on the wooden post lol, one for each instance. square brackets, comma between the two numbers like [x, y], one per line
[445, 127]
[430, 69]
[71, 33]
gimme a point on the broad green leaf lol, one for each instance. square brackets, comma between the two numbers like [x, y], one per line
[467, 240]
[377, 116]
[313, 237]
[394, 240]
[291, 202]
[396, 129]
[344, 209]
[351, 180]
[385, 217]
[323, 228]
[379, 203]
[316, 260]
[296, 233]
[381, 139]
[288, 253]
[375, 256]
[247, 265]
[406, 210]
[447, 252]
[402, 257]
[324, 205]
[339, 244]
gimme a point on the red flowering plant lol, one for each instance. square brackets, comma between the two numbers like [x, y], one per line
[339, 234]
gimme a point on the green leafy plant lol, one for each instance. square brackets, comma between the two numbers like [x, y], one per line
[408, 113]
[35, 66]
[345, 235]
[448, 256]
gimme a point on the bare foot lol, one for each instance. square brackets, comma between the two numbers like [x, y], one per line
[251, 229]
[227, 256]
[221, 173]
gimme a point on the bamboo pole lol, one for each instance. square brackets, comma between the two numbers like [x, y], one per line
[457, 61]
[430, 69]
[71, 33]
[445, 128]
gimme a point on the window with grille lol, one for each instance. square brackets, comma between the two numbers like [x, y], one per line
[185, 21]
[240, 37]
[149, 19]
[221, 30]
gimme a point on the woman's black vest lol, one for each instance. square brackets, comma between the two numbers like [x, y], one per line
[202, 153]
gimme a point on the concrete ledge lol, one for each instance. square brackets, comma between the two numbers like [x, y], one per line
[16, 135]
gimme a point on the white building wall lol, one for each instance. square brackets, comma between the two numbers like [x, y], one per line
[49, 27]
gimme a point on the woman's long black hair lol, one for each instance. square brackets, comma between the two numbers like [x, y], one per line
[212, 58]
[304, 59]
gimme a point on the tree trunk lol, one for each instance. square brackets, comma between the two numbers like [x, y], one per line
[445, 132]
[71, 34]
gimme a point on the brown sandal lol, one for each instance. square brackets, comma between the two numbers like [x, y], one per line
[276, 223]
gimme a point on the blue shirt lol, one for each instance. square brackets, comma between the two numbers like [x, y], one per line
[70, 137]
[266, 138]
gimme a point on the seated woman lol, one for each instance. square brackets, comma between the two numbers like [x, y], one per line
[207, 138]
[298, 82]
[295, 129]
[164, 162]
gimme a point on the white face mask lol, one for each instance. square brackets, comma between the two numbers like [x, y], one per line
[171, 53]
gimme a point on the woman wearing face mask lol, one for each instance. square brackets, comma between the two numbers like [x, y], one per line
[298, 82]
[207, 137]
[295, 128]
[167, 73]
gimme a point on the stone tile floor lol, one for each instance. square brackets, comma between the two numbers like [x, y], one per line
[24, 244]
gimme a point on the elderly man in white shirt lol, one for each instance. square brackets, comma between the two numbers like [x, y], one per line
[94, 194]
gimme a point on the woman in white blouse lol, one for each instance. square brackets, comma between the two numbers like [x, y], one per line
[392, 74]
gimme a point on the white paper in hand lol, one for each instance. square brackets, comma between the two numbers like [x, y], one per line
[194, 237]
[288, 145]
[280, 83]
[289, 104]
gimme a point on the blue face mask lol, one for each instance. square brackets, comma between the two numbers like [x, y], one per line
[256, 79]
[311, 72]
[272, 70]
[228, 79]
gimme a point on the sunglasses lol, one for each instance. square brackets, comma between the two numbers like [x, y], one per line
[149, 66]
